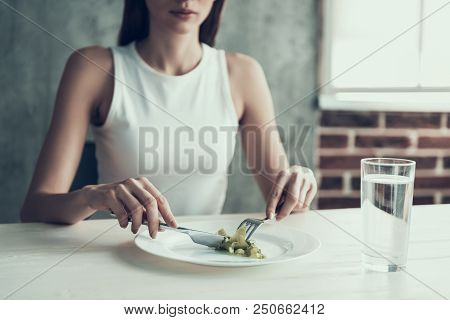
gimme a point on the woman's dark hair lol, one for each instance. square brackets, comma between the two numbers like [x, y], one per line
[135, 23]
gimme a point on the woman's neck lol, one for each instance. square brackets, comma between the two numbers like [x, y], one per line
[173, 54]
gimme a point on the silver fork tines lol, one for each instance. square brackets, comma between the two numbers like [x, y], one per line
[251, 225]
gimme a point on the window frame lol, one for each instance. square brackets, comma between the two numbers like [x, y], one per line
[328, 94]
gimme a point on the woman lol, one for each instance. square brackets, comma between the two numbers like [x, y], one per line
[163, 76]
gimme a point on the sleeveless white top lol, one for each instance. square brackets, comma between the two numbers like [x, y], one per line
[178, 131]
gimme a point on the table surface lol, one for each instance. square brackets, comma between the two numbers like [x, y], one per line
[97, 259]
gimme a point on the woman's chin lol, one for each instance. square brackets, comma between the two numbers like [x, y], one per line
[184, 28]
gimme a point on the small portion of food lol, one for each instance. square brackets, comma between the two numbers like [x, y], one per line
[237, 244]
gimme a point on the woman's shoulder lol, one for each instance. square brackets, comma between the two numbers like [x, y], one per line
[242, 64]
[88, 71]
[90, 65]
[93, 59]
[94, 56]
[244, 72]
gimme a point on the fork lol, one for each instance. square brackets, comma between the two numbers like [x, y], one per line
[252, 224]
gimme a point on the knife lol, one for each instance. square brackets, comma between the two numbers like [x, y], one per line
[200, 237]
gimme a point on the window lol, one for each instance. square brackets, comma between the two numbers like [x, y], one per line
[385, 55]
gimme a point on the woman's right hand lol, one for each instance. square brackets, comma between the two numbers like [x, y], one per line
[131, 198]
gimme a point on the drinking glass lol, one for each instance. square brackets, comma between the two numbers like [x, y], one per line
[386, 199]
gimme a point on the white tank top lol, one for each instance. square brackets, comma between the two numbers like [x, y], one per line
[178, 131]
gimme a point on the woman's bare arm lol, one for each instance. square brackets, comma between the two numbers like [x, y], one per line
[294, 186]
[80, 91]
[85, 90]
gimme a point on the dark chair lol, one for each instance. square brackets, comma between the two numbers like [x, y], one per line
[87, 169]
[87, 174]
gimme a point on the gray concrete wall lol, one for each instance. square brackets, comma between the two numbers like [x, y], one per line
[281, 35]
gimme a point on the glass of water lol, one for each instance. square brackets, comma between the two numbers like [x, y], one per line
[387, 187]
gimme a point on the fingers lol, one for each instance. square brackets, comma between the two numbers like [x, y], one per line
[132, 198]
[148, 202]
[152, 218]
[298, 187]
[277, 191]
[302, 205]
[309, 191]
[306, 186]
[281, 202]
[296, 182]
[118, 209]
[163, 204]
[310, 195]
[144, 199]
[134, 208]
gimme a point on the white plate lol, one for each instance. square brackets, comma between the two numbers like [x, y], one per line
[277, 242]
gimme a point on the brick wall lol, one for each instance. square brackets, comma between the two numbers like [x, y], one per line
[344, 138]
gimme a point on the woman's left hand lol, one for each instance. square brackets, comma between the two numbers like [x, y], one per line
[293, 190]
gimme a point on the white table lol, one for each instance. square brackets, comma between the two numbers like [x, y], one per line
[98, 260]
